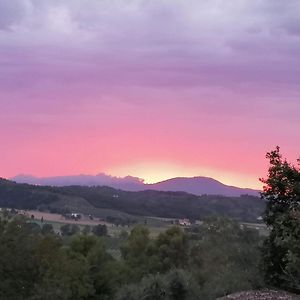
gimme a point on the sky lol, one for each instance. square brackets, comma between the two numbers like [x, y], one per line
[153, 89]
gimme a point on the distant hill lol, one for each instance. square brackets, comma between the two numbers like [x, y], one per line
[163, 204]
[193, 185]
[128, 183]
[200, 186]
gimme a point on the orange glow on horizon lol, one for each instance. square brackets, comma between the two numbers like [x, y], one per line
[153, 172]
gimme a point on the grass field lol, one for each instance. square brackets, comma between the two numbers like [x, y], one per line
[261, 227]
[155, 225]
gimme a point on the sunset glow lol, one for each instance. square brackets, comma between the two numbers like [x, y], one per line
[154, 89]
[156, 172]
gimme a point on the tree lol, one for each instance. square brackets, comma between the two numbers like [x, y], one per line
[74, 229]
[144, 256]
[135, 252]
[68, 229]
[123, 235]
[67, 277]
[225, 257]
[100, 230]
[83, 244]
[86, 230]
[175, 285]
[172, 249]
[65, 229]
[18, 267]
[33, 227]
[47, 229]
[103, 269]
[281, 251]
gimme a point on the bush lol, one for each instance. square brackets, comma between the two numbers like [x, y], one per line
[47, 229]
[100, 230]
[175, 285]
[68, 229]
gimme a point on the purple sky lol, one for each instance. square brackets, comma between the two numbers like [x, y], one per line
[154, 89]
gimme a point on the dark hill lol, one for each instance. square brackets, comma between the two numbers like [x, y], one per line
[194, 185]
[200, 186]
[144, 203]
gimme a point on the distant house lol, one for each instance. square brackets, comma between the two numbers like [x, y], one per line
[74, 216]
[184, 222]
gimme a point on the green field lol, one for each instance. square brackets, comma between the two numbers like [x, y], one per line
[154, 225]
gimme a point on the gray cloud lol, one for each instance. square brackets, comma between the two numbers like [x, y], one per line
[139, 42]
[11, 12]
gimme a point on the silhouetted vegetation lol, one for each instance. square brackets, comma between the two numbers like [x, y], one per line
[218, 258]
[145, 203]
[100, 230]
[69, 229]
[281, 252]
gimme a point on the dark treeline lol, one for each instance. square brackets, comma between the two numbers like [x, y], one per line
[145, 203]
[208, 261]
[170, 204]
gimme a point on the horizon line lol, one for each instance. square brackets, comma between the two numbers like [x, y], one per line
[142, 180]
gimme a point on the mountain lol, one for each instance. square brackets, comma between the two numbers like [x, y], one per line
[107, 202]
[200, 186]
[194, 185]
[127, 183]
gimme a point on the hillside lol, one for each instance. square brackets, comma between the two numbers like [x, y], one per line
[200, 186]
[193, 185]
[144, 203]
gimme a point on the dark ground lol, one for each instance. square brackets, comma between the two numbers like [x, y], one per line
[261, 295]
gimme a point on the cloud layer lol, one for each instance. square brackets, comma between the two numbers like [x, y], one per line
[117, 75]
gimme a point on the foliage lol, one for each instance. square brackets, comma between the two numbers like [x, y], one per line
[171, 249]
[24, 196]
[123, 235]
[225, 258]
[281, 251]
[18, 265]
[69, 229]
[135, 252]
[66, 278]
[174, 285]
[47, 229]
[169, 204]
[100, 230]
[217, 258]
[86, 230]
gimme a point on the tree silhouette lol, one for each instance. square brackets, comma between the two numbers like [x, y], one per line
[281, 251]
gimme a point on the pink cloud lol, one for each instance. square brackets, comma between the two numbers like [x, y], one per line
[90, 86]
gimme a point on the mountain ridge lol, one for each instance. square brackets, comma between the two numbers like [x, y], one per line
[197, 185]
[97, 199]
